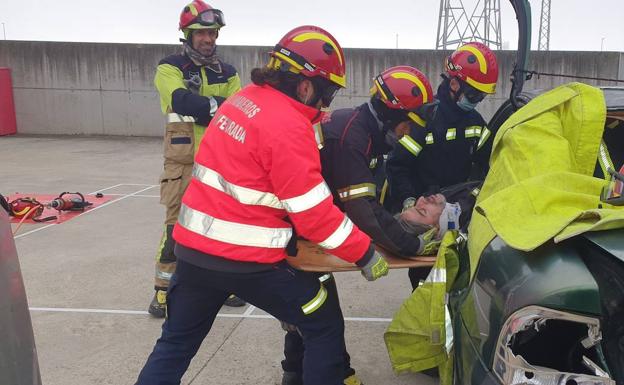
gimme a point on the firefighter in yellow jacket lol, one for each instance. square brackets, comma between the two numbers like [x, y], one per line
[191, 85]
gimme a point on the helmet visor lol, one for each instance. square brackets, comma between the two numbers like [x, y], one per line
[211, 17]
[329, 93]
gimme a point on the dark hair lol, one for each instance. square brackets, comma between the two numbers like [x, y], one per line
[284, 81]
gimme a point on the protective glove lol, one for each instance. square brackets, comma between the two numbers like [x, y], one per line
[214, 104]
[428, 243]
[376, 267]
[408, 203]
[193, 83]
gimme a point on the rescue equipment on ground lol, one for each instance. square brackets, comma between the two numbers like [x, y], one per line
[67, 201]
[30, 208]
[27, 208]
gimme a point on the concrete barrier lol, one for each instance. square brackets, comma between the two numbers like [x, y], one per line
[107, 89]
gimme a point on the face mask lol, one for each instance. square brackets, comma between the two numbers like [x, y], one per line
[466, 105]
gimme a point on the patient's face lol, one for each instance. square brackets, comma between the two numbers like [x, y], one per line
[426, 211]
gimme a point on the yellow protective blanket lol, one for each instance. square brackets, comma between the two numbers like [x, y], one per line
[540, 185]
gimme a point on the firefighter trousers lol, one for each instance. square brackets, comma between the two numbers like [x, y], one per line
[178, 165]
[296, 297]
[293, 342]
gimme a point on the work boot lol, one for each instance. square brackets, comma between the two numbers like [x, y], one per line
[234, 301]
[158, 306]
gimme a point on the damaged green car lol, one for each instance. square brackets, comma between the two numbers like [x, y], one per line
[535, 294]
[554, 314]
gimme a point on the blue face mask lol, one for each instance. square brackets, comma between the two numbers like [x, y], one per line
[466, 105]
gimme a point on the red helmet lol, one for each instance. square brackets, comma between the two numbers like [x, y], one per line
[403, 88]
[475, 64]
[311, 51]
[199, 15]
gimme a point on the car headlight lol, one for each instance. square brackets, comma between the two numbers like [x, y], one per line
[541, 346]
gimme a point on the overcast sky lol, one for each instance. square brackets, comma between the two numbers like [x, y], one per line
[576, 24]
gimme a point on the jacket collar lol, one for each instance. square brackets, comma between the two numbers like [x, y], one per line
[375, 129]
[372, 111]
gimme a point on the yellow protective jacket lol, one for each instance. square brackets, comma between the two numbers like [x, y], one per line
[420, 335]
[540, 187]
[541, 184]
[176, 95]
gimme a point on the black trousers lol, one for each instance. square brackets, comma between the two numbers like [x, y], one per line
[298, 298]
[294, 346]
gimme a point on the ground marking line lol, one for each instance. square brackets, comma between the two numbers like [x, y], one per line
[137, 195]
[140, 184]
[122, 184]
[87, 212]
[104, 189]
[249, 310]
[34, 231]
[220, 315]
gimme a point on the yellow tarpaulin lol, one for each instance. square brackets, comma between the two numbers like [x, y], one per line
[540, 185]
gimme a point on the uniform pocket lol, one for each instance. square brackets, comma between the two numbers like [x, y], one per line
[171, 184]
[179, 143]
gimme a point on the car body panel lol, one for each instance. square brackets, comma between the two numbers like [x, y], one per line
[555, 276]
[508, 280]
[610, 241]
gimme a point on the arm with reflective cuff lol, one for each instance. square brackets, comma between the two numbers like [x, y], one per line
[295, 172]
[352, 178]
[381, 226]
[202, 108]
[176, 97]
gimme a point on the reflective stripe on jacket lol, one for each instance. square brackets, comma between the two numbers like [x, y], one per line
[257, 165]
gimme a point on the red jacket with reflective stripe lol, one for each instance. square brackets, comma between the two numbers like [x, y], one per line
[257, 164]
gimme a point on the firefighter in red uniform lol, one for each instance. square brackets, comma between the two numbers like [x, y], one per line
[256, 172]
[352, 143]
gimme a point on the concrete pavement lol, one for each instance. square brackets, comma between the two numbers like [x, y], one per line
[89, 280]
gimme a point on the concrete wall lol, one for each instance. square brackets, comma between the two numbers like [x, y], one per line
[106, 89]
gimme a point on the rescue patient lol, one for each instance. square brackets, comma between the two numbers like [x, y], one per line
[428, 212]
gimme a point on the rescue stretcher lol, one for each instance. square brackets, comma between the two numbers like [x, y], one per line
[311, 257]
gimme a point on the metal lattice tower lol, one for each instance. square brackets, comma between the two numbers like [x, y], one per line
[544, 35]
[455, 27]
